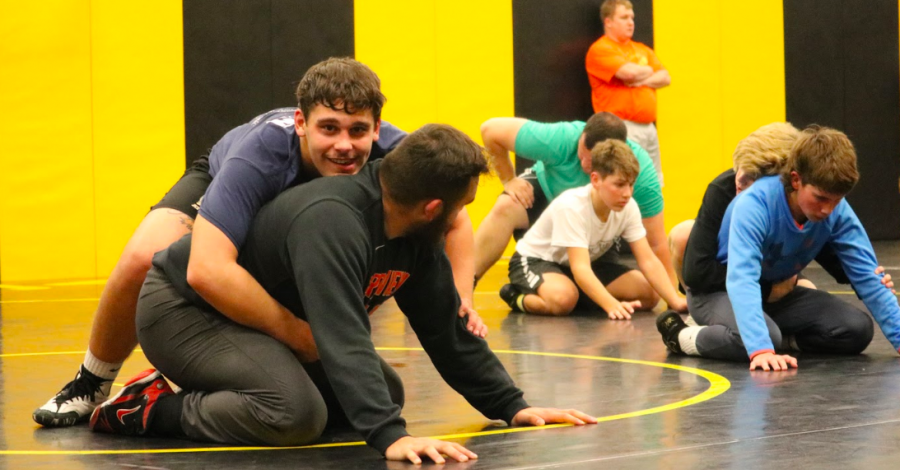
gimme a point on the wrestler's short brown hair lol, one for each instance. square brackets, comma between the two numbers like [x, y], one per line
[611, 156]
[824, 158]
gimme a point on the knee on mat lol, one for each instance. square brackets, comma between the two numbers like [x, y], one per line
[561, 303]
[298, 423]
[289, 420]
[854, 334]
[649, 300]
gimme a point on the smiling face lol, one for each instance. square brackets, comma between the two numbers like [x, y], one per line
[335, 142]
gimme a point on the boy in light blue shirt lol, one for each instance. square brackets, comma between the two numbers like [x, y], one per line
[771, 232]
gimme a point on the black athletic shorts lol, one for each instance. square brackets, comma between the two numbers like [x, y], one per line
[185, 196]
[527, 273]
[537, 208]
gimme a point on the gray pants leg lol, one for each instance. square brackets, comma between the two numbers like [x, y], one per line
[241, 386]
[721, 339]
[821, 322]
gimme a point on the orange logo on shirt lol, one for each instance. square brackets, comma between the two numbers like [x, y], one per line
[386, 284]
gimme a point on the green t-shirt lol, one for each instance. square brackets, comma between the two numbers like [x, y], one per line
[554, 148]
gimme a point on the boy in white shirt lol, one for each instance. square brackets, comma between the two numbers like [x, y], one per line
[557, 263]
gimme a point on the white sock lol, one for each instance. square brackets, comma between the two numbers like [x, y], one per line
[687, 339]
[104, 370]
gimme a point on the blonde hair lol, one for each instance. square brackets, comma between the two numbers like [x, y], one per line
[765, 151]
[611, 156]
[608, 9]
[824, 158]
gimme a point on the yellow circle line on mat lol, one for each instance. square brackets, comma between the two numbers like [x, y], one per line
[717, 386]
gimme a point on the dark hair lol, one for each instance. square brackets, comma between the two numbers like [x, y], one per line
[611, 156]
[342, 84]
[434, 162]
[824, 158]
[602, 126]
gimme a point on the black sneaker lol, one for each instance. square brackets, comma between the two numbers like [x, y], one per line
[75, 402]
[128, 412]
[669, 324]
[513, 297]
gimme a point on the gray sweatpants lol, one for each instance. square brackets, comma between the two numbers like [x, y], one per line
[817, 320]
[241, 386]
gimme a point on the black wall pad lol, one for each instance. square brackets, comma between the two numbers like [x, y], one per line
[841, 70]
[244, 57]
[550, 40]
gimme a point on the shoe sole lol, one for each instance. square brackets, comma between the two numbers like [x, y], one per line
[672, 347]
[50, 419]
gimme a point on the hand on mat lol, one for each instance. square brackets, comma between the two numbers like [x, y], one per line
[302, 343]
[520, 190]
[475, 325]
[411, 448]
[621, 310]
[534, 416]
[886, 280]
[771, 361]
[782, 289]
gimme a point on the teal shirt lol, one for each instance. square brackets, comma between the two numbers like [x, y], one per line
[554, 148]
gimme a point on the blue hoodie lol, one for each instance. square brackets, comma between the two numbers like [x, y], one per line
[763, 242]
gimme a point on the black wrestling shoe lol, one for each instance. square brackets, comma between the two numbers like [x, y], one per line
[75, 402]
[128, 412]
[513, 297]
[669, 324]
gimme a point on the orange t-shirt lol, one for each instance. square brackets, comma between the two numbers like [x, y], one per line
[608, 93]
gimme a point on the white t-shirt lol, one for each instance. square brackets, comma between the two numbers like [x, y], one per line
[570, 221]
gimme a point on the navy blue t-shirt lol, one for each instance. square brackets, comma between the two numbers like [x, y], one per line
[255, 162]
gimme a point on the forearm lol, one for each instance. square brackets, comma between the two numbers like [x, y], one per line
[587, 281]
[237, 295]
[659, 243]
[661, 249]
[632, 73]
[500, 160]
[655, 273]
[658, 79]
[460, 249]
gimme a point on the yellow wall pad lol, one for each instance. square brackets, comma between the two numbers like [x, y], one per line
[717, 386]
[432, 73]
[726, 60]
[92, 132]
[12, 287]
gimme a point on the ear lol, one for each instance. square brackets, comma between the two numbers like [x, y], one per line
[299, 123]
[377, 129]
[795, 181]
[433, 208]
[595, 178]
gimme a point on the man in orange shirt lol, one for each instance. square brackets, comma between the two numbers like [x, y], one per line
[624, 76]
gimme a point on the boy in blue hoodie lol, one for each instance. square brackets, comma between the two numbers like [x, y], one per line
[770, 233]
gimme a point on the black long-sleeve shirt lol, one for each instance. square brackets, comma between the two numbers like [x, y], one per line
[701, 272]
[321, 251]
